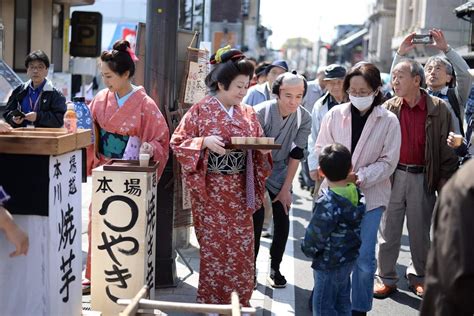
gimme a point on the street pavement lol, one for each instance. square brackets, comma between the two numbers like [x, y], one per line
[293, 300]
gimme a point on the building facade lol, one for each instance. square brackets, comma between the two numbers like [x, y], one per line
[378, 40]
[422, 15]
[40, 24]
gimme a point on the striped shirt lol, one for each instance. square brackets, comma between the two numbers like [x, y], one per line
[376, 155]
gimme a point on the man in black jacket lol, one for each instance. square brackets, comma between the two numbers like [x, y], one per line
[36, 102]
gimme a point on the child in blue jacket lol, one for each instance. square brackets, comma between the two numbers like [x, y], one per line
[332, 237]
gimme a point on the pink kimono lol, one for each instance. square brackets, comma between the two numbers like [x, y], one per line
[223, 221]
[140, 117]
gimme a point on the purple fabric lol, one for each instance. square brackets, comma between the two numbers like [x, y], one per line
[250, 185]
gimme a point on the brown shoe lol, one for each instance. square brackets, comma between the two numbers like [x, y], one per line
[382, 291]
[418, 289]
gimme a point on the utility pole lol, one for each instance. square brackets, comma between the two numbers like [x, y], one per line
[160, 84]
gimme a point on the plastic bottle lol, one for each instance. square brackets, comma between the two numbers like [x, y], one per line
[70, 118]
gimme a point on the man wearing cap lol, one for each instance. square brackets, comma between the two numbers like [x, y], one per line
[441, 73]
[259, 76]
[333, 79]
[263, 92]
[316, 89]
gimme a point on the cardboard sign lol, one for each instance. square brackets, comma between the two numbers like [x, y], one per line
[123, 236]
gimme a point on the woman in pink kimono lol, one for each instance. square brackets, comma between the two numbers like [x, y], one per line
[226, 186]
[127, 120]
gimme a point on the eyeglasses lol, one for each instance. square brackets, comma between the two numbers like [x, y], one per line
[359, 93]
[37, 68]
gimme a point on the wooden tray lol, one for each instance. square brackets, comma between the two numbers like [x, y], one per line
[43, 141]
[130, 165]
[252, 146]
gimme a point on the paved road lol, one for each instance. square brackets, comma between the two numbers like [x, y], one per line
[402, 303]
[297, 268]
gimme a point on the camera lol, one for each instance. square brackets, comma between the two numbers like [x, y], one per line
[422, 39]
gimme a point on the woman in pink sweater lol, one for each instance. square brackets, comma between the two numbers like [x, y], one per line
[373, 135]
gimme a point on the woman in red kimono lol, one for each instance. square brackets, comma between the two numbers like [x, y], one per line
[127, 120]
[226, 186]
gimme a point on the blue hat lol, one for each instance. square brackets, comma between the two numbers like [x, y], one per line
[334, 71]
[277, 63]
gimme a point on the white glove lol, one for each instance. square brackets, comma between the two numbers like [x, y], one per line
[215, 144]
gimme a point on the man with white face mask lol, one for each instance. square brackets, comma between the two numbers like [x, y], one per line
[373, 135]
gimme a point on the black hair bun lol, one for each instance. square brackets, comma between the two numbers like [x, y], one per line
[121, 45]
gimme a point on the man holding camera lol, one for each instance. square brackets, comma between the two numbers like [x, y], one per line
[447, 77]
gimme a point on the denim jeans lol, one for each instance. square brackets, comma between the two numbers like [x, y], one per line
[366, 265]
[332, 291]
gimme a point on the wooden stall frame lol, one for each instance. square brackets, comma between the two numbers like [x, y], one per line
[139, 306]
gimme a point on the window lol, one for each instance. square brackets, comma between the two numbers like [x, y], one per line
[191, 15]
[22, 33]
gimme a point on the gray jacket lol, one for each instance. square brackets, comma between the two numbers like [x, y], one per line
[462, 88]
[289, 132]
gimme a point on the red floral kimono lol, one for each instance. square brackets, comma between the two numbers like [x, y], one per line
[222, 220]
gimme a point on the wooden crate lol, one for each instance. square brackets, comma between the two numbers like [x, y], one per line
[43, 141]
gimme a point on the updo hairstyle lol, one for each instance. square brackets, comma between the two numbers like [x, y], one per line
[118, 59]
[228, 64]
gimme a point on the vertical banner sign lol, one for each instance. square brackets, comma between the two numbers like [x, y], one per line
[195, 83]
[47, 281]
[65, 234]
[123, 239]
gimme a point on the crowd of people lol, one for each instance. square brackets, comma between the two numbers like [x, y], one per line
[374, 162]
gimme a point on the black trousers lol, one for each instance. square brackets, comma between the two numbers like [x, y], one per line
[281, 228]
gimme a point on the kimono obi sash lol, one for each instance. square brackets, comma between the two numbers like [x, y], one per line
[232, 162]
[112, 145]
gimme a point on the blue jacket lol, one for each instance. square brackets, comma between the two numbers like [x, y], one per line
[257, 94]
[52, 106]
[332, 237]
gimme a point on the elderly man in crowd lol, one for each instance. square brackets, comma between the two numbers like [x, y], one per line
[447, 77]
[263, 92]
[426, 163]
[333, 80]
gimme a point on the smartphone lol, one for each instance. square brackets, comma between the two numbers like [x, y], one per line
[422, 39]
[18, 113]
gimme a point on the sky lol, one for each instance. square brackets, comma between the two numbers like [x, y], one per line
[310, 18]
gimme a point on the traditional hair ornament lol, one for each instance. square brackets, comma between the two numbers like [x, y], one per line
[226, 53]
[132, 54]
